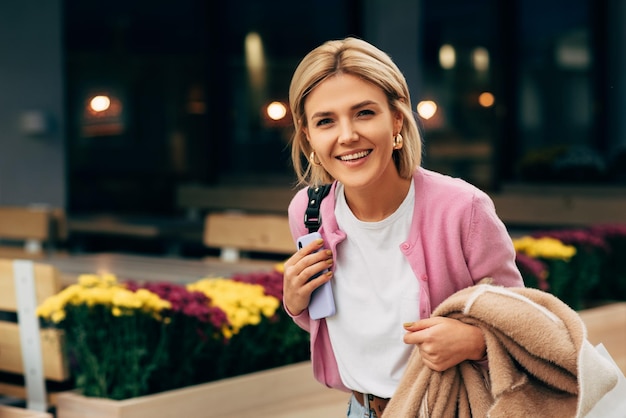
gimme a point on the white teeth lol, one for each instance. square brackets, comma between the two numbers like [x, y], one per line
[354, 156]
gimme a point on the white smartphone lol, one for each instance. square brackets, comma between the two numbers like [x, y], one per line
[322, 303]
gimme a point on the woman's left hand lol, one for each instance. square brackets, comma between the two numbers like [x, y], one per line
[445, 342]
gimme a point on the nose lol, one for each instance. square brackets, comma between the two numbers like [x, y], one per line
[347, 133]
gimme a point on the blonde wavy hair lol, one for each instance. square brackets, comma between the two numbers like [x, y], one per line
[359, 58]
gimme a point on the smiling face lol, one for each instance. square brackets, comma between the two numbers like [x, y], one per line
[351, 128]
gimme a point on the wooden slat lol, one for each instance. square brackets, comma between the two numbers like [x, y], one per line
[248, 232]
[111, 227]
[19, 251]
[47, 283]
[289, 391]
[250, 199]
[26, 231]
[12, 412]
[559, 210]
[19, 392]
[24, 223]
[55, 366]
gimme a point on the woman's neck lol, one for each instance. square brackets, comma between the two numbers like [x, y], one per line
[376, 204]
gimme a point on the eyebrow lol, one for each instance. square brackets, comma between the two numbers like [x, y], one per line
[353, 107]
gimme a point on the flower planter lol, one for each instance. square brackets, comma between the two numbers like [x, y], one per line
[173, 336]
[283, 392]
[288, 391]
[12, 412]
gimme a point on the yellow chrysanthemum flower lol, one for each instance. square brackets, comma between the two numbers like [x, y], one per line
[126, 299]
[151, 301]
[544, 247]
[88, 280]
[244, 303]
[57, 316]
[280, 267]
[101, 290]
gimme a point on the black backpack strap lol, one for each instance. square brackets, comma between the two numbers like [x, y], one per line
[312, 217]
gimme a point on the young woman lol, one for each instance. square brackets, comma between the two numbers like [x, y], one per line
[398, 239]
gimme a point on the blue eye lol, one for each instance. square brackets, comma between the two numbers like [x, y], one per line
[365, 112]
[325, 121]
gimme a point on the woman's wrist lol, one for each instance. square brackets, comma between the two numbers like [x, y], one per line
[479, 347]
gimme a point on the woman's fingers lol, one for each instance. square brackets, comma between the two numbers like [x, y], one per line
[304, 272]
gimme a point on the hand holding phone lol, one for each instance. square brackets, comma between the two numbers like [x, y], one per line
[322, 302]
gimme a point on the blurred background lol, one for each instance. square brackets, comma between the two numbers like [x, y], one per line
[112, 108]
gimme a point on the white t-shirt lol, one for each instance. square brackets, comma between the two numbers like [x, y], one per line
[375, 293]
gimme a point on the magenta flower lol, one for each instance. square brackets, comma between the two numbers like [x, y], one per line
[609, 230]
[534, 269]
[192, 304]
[272, 281]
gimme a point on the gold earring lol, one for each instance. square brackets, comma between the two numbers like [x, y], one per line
[312, 160]
[397, 141]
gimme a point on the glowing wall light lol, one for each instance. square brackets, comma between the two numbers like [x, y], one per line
[486, 99]
[276, 110]
[255, 59]
[426, 109]
[276, 114]
[480, 59]
[102, 114]
[447, 57]
[99, 103]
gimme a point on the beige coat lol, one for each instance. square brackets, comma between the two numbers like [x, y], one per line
[540, 362]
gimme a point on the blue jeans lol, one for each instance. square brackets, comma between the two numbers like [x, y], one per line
[356, 410]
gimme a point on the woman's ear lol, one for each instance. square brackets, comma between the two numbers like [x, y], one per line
[398, 120]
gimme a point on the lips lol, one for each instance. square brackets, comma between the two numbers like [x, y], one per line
[354, 156]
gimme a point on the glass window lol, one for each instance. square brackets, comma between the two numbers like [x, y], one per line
[161, 94]
[263, 47]
[556, 93]
[459, 98]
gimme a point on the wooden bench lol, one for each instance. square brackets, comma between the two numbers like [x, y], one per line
[541, 206]
[13, 412]
[29, 232]
[518, 205]
[198, 200]
[24, 285]
[169, 233]
[250, 219]
[236, 233]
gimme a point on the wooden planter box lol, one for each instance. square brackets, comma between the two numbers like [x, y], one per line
[607, 325]
[283, 392]
[289, 391]
[12, 412]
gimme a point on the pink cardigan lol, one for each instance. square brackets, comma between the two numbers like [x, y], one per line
[456, 239]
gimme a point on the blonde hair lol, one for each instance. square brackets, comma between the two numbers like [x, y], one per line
[357, 57]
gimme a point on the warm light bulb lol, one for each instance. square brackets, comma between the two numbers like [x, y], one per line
[100, 103]
[426, 109]
[447, 57]
[276, 110]
[486, 99]
[480, 59]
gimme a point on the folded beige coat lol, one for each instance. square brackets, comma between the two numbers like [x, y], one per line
[540, 362]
